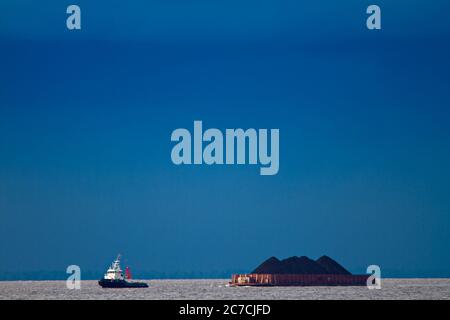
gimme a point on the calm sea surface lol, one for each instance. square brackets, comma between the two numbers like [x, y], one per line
[218, 289]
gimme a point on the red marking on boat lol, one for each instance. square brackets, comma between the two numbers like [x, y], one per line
[128, 273]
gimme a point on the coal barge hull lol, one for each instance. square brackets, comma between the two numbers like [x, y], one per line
[283, 280]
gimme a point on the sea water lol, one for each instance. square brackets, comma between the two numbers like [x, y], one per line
[218, 289]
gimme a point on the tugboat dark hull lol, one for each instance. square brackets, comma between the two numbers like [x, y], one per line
[121, 284]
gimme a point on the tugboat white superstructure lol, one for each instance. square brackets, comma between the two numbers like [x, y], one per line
[114, 278]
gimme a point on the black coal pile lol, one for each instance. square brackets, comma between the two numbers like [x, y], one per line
[300, 265]
[331, 266]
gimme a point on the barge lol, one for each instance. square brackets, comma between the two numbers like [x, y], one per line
[274, 280]
[299, 271]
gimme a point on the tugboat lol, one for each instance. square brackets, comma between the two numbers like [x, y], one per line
[114, 278]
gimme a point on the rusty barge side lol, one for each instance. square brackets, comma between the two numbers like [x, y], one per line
[267, 280]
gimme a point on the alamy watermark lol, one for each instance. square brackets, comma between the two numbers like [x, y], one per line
[236, 146]
[73, 21]
[73, 282]
[374, 280]
[373, 22]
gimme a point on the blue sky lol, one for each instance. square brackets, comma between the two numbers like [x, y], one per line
[86, 118]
